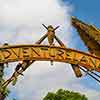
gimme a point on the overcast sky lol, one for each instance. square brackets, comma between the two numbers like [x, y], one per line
[20, 23]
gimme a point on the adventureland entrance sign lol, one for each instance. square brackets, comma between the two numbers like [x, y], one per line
[48, 53]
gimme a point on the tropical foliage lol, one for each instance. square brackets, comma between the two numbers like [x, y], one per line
[64, 95]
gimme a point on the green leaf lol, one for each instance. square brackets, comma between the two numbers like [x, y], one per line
[64, 95]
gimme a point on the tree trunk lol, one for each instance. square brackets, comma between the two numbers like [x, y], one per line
[2, 97]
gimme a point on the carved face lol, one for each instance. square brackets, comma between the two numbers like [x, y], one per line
[50, 28]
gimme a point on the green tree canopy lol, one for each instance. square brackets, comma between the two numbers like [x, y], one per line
[64, 95]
